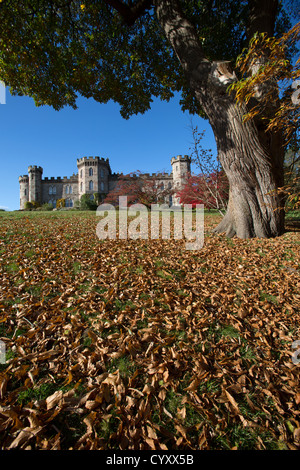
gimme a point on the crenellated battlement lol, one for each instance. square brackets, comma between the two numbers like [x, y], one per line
[93, 160]
[161, 175]
[35, 168]
[181, 158]
[59, 179]
[53, 179]
[142, 175]
[24, 179]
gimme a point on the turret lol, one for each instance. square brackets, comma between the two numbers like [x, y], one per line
[24, 190]
[181, 168]
[35, 183]
[93, 174]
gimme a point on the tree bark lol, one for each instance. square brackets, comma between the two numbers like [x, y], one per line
[251, 159]
[254, 204]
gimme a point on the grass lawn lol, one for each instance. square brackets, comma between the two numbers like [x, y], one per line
[142, 344]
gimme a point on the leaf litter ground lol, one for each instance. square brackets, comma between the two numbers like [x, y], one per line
[144, 345]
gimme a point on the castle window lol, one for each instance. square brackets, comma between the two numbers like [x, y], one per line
[101, 173]
[25, 192]
[80, 173]
[81, 186]
[91, 172]
[102, 186]
[54, 190]
[70, 189]
[67, 189]
[50, 190]
[91, 185]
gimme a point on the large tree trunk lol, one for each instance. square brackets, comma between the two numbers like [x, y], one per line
[252, 159]
[254, 174]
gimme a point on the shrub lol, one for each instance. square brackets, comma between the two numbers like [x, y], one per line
[35, 204]
[60, 203]
[97, 198]
[87, 204]
[28, 206]
[45, 207]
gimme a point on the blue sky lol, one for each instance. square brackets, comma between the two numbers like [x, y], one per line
[52, 139]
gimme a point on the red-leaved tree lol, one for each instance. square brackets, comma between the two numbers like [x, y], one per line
[210, 185]
[140, 188]
[211, 190]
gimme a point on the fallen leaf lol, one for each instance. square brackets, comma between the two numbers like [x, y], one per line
[54, 399]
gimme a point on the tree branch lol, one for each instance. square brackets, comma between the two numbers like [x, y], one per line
[262, 15]
[130, 14]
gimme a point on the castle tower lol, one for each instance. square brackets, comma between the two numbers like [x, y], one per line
[35, 183]
[93, 175]
[181, 168]
[24, 190]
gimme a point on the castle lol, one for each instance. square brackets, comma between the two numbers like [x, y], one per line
[94, 176]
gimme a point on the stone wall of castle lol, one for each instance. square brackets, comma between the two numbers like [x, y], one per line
[60, 188]
[94, 176]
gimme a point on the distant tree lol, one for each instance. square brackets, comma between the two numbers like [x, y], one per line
[209, 185]
[212, 190]
[140, 188]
